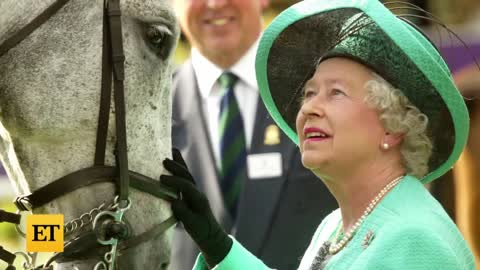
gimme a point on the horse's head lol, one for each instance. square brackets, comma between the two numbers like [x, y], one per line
[49, 108]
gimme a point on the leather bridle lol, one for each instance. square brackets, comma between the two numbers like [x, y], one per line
[112, 67]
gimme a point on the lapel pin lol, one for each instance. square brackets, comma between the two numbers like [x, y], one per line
[272, 135]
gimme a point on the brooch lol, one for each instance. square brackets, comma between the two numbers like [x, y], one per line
[368, 239]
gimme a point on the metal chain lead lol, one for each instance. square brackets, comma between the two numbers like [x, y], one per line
[85, 219]
[77, 223]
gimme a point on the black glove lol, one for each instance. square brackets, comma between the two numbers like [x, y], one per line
[193, 210]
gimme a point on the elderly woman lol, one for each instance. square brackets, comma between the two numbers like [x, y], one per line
[376, 116]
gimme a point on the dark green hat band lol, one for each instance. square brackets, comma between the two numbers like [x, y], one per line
[366, 32]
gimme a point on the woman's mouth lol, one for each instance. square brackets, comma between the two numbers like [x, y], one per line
[218, 21]
[315, 135]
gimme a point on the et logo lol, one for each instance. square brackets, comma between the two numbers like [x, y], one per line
[44, 233]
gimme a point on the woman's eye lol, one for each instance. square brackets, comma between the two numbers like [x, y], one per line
[159, 38]
[337, 92]
[308, 93]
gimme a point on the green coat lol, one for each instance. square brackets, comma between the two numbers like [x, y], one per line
[410, 231]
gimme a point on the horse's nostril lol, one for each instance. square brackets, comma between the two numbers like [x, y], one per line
[164, 266]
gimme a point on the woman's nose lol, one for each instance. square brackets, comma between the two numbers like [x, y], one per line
[215, 4]
[313, 107]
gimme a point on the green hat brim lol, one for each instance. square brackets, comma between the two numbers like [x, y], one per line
[292, 45]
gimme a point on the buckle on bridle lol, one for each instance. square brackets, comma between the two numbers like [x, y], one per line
[23, 203]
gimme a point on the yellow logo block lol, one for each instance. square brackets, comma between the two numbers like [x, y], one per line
[44, 233]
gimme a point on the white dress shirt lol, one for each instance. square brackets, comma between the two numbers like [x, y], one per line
[245, 90]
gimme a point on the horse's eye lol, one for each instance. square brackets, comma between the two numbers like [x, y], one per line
[156, 34]
[159, 39]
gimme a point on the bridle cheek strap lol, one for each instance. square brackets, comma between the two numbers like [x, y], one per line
[113, 61]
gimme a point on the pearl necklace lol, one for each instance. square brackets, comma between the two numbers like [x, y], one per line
[335, 248]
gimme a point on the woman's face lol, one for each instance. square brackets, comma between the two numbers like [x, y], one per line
[337, 131]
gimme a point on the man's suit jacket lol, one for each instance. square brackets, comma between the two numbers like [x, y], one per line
[276, 216]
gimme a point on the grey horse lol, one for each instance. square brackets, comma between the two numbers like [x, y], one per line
[49, 100]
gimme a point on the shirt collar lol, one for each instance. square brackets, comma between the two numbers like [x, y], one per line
[207, 72]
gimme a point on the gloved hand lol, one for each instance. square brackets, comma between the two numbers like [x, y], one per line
[193, 210]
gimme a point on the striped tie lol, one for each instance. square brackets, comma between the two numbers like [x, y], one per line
[232, 144]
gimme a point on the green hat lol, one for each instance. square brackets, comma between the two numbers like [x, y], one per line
[367, 32]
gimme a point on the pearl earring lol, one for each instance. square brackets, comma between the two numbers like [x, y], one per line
[385, 146]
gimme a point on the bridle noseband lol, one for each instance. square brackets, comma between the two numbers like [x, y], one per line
[113, 59]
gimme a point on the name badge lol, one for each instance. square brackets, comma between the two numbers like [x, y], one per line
[265, 165]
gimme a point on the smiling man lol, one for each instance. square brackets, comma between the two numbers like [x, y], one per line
[221, 30]
[250, 171]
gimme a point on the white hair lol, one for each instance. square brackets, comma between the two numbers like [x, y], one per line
[399, 115]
